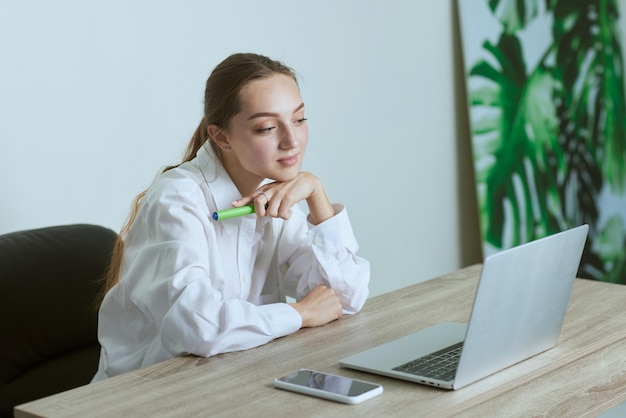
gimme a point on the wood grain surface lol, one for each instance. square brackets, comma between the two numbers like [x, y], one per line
[583, 375]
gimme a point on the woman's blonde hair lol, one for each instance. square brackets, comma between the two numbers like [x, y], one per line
[221, 103]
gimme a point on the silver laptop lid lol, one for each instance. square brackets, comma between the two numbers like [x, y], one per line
[520, 303]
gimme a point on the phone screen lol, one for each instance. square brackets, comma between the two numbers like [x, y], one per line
[330, 383]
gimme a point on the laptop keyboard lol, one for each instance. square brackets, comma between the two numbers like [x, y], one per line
[439, 365]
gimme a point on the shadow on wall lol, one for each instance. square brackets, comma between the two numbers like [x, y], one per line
[469, 235]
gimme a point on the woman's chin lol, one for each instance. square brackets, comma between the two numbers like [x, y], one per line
[285, 175]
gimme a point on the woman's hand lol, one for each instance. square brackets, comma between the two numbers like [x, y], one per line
[319, 307]
[276, 199]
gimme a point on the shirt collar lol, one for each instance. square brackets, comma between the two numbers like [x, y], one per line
[222, 187]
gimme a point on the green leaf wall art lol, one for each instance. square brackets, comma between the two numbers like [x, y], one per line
[547, 110]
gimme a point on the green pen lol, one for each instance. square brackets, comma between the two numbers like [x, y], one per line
[220, 215]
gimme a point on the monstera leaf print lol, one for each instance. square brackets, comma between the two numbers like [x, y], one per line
[550, 136]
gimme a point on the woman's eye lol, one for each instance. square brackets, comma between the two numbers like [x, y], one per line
[300, 121]
[265, 130]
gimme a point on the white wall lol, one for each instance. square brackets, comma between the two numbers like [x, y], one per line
[97, 96]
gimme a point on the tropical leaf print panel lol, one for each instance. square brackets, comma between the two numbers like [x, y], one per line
[546, 99]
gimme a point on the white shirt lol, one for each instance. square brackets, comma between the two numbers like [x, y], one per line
[189, 284]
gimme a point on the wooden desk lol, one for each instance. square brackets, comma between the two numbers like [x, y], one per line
[584, 374]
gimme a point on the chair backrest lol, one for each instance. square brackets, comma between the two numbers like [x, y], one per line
[50, 279]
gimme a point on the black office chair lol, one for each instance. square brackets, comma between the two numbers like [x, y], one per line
[49, 282]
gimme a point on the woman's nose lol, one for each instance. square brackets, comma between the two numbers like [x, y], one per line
[289, 139]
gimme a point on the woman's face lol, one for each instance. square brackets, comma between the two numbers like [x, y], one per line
[268, 137]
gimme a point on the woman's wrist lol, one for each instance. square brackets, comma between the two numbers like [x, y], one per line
[320, 208]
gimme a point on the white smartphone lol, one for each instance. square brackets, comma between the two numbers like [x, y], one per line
[328, 386]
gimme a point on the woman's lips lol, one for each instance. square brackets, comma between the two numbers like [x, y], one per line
[289, 161]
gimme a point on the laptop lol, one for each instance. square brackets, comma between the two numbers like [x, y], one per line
[518, 312]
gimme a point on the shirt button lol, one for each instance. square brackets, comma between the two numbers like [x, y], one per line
[317, 240]
[244, 278]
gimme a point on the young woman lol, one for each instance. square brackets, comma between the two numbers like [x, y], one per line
[181, 282]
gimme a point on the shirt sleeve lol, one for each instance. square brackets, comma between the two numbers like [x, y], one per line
[169, 251]
[327, 255]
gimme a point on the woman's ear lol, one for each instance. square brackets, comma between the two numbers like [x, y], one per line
[216, 133]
